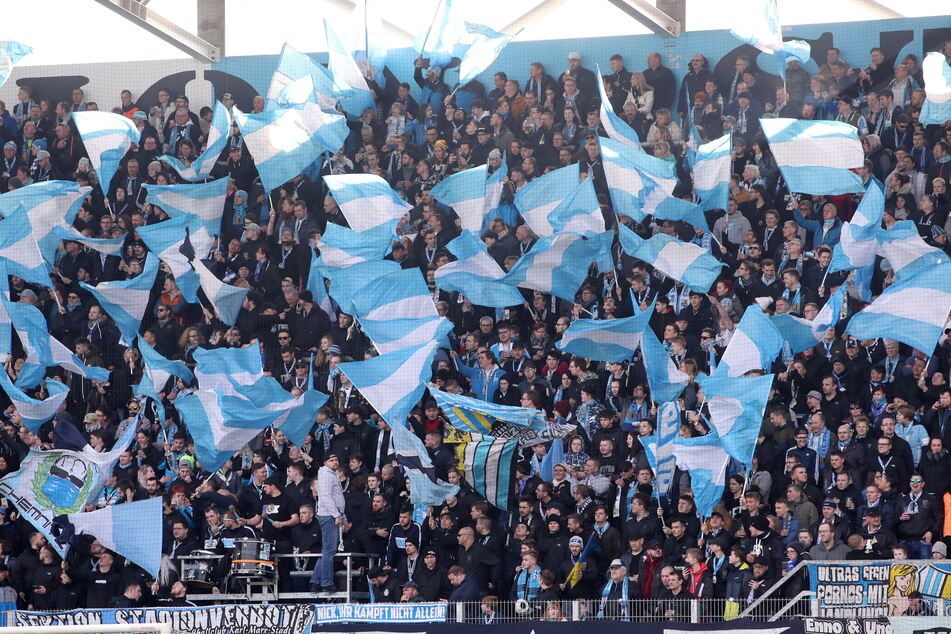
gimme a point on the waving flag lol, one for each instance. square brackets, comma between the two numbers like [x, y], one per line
[347, 282]
[6, 324]
[177, 242]
[857, 244]
[486, 44]
[105, 246]
[712, 169]
[399, 295]
[580, 212]
[107, 137]
[156, 371]
[475, 274]
[225, 299]
[205, 200]
[591, 546]
[465, 192]
[605, 339]
[660, 447]
[317, 288]
[555, 455]
[393, 383]
[541, 196]
[395, 334]
[905, 251]
[736, 410]
[678, 209]
[754, 346]
[48, 206]
[368, 43]
[557, 265]
[913, 311]
[10, 54]
[637, 181]
[425, 488]
[491, 469]
[293, 66]
[201, 167]
[125, 301]
[705, 459]
[222, 369]
[760, 27]
[665, 379]
[35, 412]
[615, 126]
[357, 96]
[342, 247]
[439, 40]
[294, 416]
[684, 262]
[815, 157]
[366, 200]
[801, 333]
[19, 251]
[493, 190]
[937, 75]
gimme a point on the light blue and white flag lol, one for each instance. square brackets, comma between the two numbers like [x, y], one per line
[665, 379]
[225, 299]
[684, 262]
[357, 95]
[760, 28]
[391, 335]
[107, 137]
[637, 181]
[48, 206]
[66, 359]
[580, 212]
[425, 488]
[366, 200]
[660, 447]
[157, 370]
[294, 416]
[541, 196]
[857, 243]
[736, 410]
[105, 246]
[201, 167]
[205, 200]
[402, 294]
[937, 75]
[221, 369]
[712, 169]
[678, 209]
[913, 311]
[132, 530]
[6, 325]
[393, 383]
[615, 126]
[605, 339]
[485, 44]
[32, 331]
[556, 265]
[438, 42]
[342, 247]
[801, 333]
[490, 469]
[293, 66]
[368, 44]
[755, 344]
[126, 300]
[465, 192]
[347, 282]
[19, 251]
[706, 461]
[35, 412]
[555, 455]
[177, 242]
[10, 54]
[905, 251]
[815, 157]
[317, 288]
[475, 274]
[494, 186]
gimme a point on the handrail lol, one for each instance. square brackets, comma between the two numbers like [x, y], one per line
[779, 583]
[791, 603]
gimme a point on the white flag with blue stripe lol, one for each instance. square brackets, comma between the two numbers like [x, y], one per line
[49, 206]
[10, 54]
[368, 44]
[755, 344]
[485, 44]
[366, 200]
[357, 95]
[465, 192]
[605, 339]
[66, 359]
[665, 379]
[937, 76]
[438, 41]
[759, 27]
[293, 66]
[712, 168]
[815, 157]
[226, 299]
[736, 410]
[857, 239]
[132, 530]
[913, 311]
[19, 251]
[615, 126]
[222, 369]
[556, 265]
[494, 186]
[107, 136]
[294, 415]
[706, 461]
[390, 335]
[317, 288]
[580, 212]
[402, 294]
[801, 333]
[393, 383]
[347, 282]
[34, 412]
[126, 300]
[105, 246]
[177, 242]
[475, 274]
[683, 210]
[157, 370]
[905, 251]
[411, 454]
[637, 181]
[201, 167]
[541, 196]
[660, 447]
[342, 247]
[205, 200]
[32, 331]
[684, 262]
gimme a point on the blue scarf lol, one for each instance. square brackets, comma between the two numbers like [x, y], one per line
[528, 583]
[625, 604]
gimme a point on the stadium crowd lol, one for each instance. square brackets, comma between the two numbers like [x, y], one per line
[852, 459]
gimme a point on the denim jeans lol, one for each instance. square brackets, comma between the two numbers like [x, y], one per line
[329, 534]
[918, 549]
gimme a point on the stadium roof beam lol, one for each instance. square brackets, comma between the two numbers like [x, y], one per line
[136, 12]
[404, 37]
[532, 16]
[650, 16]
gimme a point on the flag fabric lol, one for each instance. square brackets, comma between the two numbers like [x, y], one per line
[205, 200]
[678, 209]
[226, 299]
[293, 415]
[913, 311]
[177, 241]
[402, 294]
[347, 282]
[107, 137]
[465, 192]
[439, 40]
[105, 246]
[366, 200]
[660, 446]
[712, 168]
[574, 575]
[66, 359]
[815, 157]
[557, 265]
[132, 530]
[342, 247]
[736, 410]
[10, 54]
[485, 45]
[555, 455]
[665, 379]
[494, 186]
[19, 251]
[937, 76]
[684, 262]
[156, 371]
[491, 469]
[475, 274]
[760, 28]
[368, 43]
[32, 331]
[933, 582]
[293, 66]
[347, 75]
[614, 125]
[48, 205]
[801, 334]
[905, 251]
[637, 181]
[605, 339]
[393, 383]
[35, 412]
[755, 344]
[391, 335]
[705, 459]
[425, 488]
[6, 324]
[201, 167]
[221, 369]
[126, 300]
[543, 195]
[857, 244]
[580, 212]
[317, 288]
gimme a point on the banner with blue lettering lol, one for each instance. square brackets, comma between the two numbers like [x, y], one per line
[878, 589]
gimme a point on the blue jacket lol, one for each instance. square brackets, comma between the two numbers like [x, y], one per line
[483, 385]
[820, 236]
[468, 590]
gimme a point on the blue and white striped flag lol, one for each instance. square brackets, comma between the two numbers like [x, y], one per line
[205, 200]
[222, 369]
[10, 54]
[712, 168]
[126, 300]
[905, 251]
[485, 44]
[683, 210]
[294, 415]
[637, 181]
[541, 196]
[19, 251]
[475, 274]
[157, 370]
[105, 246]
[347, 282]
[402, 294]
[494, 186]
[107, 137]
[815, 157]
[913, 311]
[35, 412]
[857, 245]
[438, 42]
[393, 383]
[201, 167]
[736, 410]
[491, 469]
[615, 126]
[465, 192]
[937, 75]
[425, 488]
[580, 212]
[6, 325]
[391, 335]
[342, 247]
[368, 44]
[475, 416]
[801, 333]
[317, 288]
[706, 461]
[366, 200]
[225, 299]
[555, 455]
[660, 446]
[556, 265]
[48, 205]
[605, 339]
[177, 242]
[684, 262]
[760, 27]
[665, 379]
[357, 95]
[755, 344]
[292, 66]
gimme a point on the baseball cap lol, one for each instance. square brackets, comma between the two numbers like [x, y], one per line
[616, 564]
[574, 55]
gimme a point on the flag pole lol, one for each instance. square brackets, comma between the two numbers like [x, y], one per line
[430, 29]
